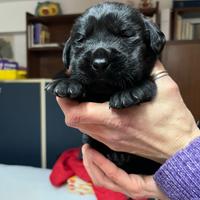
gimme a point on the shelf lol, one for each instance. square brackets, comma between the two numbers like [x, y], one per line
[184, 42]
[45, 49]
[186, 10]
[52, 19]
[44, 61]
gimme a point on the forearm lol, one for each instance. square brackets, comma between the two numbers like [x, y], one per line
[179, 176]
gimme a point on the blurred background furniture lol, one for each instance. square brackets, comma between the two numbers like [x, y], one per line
[182, 60]
[25, 118]
[33, 131]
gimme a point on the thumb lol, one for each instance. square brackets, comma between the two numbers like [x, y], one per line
[66, 104]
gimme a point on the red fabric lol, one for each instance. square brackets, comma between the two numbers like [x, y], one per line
[69, 165]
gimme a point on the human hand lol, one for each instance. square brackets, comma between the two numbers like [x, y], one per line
[155, 130]
[106, 174]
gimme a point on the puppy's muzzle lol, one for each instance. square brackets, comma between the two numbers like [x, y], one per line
[100, 60]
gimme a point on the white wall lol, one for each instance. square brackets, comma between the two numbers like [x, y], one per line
[13, 23]
[12, 15]
[12, 18]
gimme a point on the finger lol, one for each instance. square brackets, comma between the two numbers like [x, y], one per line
[136, 186]
[65, 104]
[106, 174]
[86, 113]
[165, 83]
[158, 67]
[116, 140]
[106, 136]
[102, 133]
[107, 166]
[118, 176]
[76, 112]
[98, 177]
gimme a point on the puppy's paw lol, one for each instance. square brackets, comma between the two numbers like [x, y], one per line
[123, 99]
[65, 88]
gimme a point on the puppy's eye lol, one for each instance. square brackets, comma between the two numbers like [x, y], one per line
[79, 38]
[127, 33]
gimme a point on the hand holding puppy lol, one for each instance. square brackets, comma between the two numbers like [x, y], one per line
[104, 173]
[155, 130]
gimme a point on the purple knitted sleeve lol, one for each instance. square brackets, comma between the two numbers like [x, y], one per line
[179, 176]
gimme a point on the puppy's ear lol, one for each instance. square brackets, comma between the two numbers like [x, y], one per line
[154, 36]
[66, 53]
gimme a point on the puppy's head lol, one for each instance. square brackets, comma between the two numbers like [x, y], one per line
[112, 42]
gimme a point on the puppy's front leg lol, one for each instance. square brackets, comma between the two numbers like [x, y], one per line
[133, 96]
[66, 88]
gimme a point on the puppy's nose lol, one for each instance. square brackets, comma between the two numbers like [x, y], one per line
[99, 64]
[100, 59]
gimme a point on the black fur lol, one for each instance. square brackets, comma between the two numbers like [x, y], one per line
[111, 52]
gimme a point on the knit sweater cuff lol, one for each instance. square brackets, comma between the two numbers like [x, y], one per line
[179, 176]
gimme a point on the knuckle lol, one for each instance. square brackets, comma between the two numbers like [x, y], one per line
[169, 89]
[114, 140]
[72, 118]
[88, 110]
[111, 175]
[135, 189]
[77, 115]
[118, 122]
[173, 87]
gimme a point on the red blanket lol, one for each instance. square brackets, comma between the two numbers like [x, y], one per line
[69, 165]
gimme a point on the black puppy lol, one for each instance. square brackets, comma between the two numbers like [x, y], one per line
[111, 52]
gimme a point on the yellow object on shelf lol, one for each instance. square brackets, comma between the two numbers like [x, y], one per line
[48, 8]
[12, 74]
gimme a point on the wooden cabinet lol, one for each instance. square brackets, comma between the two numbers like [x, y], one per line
[32, 126]
[181, 55]
[182, 60]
